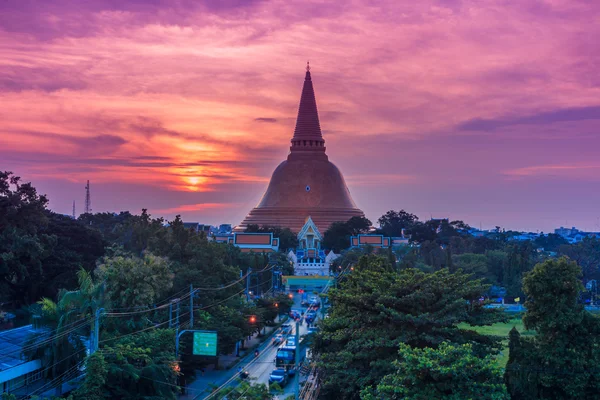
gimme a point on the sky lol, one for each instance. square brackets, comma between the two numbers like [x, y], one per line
[482, 110]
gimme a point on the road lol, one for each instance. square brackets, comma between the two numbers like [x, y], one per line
[259, 368]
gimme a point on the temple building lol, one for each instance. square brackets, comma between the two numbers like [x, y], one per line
[309, 258]
[307, 183]
[247, 242]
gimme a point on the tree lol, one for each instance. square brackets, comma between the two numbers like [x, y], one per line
[70, 247]
[561, 361]
[140, 366]
[281, 259]
[376, 308]
[40, 251]
[135, 281]
[587, 255]
[450, 372]
[475, 264]
[393, 223]
[519, 261]
[496, 261]
[65, 349]
[337, 237]
[550, 242]
[95, 378]
[22, 213]
[245, 391]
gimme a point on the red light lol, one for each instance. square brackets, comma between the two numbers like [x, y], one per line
[291, 296]
[252, 319]
[276, 305]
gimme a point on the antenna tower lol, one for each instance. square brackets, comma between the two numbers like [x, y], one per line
[88, 199]
[74, 209]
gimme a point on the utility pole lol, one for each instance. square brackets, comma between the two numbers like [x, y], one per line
[96, 334]
[177, 319]
[248, 284]
[297, 363]
[191, 306]
[73, 210]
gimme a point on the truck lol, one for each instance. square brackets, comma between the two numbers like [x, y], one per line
[286, 358]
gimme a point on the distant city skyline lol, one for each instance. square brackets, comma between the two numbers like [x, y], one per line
[488, 113]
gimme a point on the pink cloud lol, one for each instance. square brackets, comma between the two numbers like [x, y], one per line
[195, 207]
[572, 171]
[200, 99]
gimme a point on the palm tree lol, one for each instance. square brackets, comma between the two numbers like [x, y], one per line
[64, 324]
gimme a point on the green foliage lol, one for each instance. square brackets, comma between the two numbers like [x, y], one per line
[337, 237]
[376, 309]
[561, 361]
[96, 369]
[140, 366]
[63, 320]
[470, 263]
[392, 223]
[519, 262]
[40, 251]
[135, 281]
[245, 391]
[550, 242]
[281, 260]
[450, 372]
[587, 255]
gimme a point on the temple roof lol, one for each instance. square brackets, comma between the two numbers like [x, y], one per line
[307, 124]
[307, 137]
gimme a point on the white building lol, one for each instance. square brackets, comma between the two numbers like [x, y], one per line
[309, 258]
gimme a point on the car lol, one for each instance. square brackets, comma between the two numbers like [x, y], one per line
[315, 302]
[279, 376]
[278, 339]
[291, 341]
[286, 329]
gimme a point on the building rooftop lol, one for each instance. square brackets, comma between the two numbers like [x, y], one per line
[11, 345]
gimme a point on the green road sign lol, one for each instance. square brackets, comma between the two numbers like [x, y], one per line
[205, 343]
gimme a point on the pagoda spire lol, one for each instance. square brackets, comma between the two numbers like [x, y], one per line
[307, 135]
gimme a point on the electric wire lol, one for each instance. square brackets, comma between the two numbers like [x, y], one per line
[255, 360]
[49, 339]
[51, 384]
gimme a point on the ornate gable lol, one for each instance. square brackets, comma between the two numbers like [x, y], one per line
[309, 228]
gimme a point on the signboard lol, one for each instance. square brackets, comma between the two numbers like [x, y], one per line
[205, 343]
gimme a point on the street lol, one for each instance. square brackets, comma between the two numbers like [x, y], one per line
[259, 368]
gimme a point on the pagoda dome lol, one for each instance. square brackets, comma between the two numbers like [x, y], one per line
[307, 183]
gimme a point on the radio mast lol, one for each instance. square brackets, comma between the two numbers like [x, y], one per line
[88, 199]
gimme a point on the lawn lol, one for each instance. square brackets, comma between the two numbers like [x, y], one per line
[501, 329]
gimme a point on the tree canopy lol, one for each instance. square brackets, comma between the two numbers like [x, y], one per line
[561, 361]
[376, 309]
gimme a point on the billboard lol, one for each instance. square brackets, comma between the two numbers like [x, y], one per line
[205, 343]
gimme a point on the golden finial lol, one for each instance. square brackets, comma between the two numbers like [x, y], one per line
[308, 66]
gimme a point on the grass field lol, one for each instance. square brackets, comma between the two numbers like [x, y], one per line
[501, 329]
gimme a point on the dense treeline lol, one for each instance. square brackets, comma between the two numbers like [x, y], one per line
[436, 244]
[63, 271]
[400, 333]
[393, 330]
